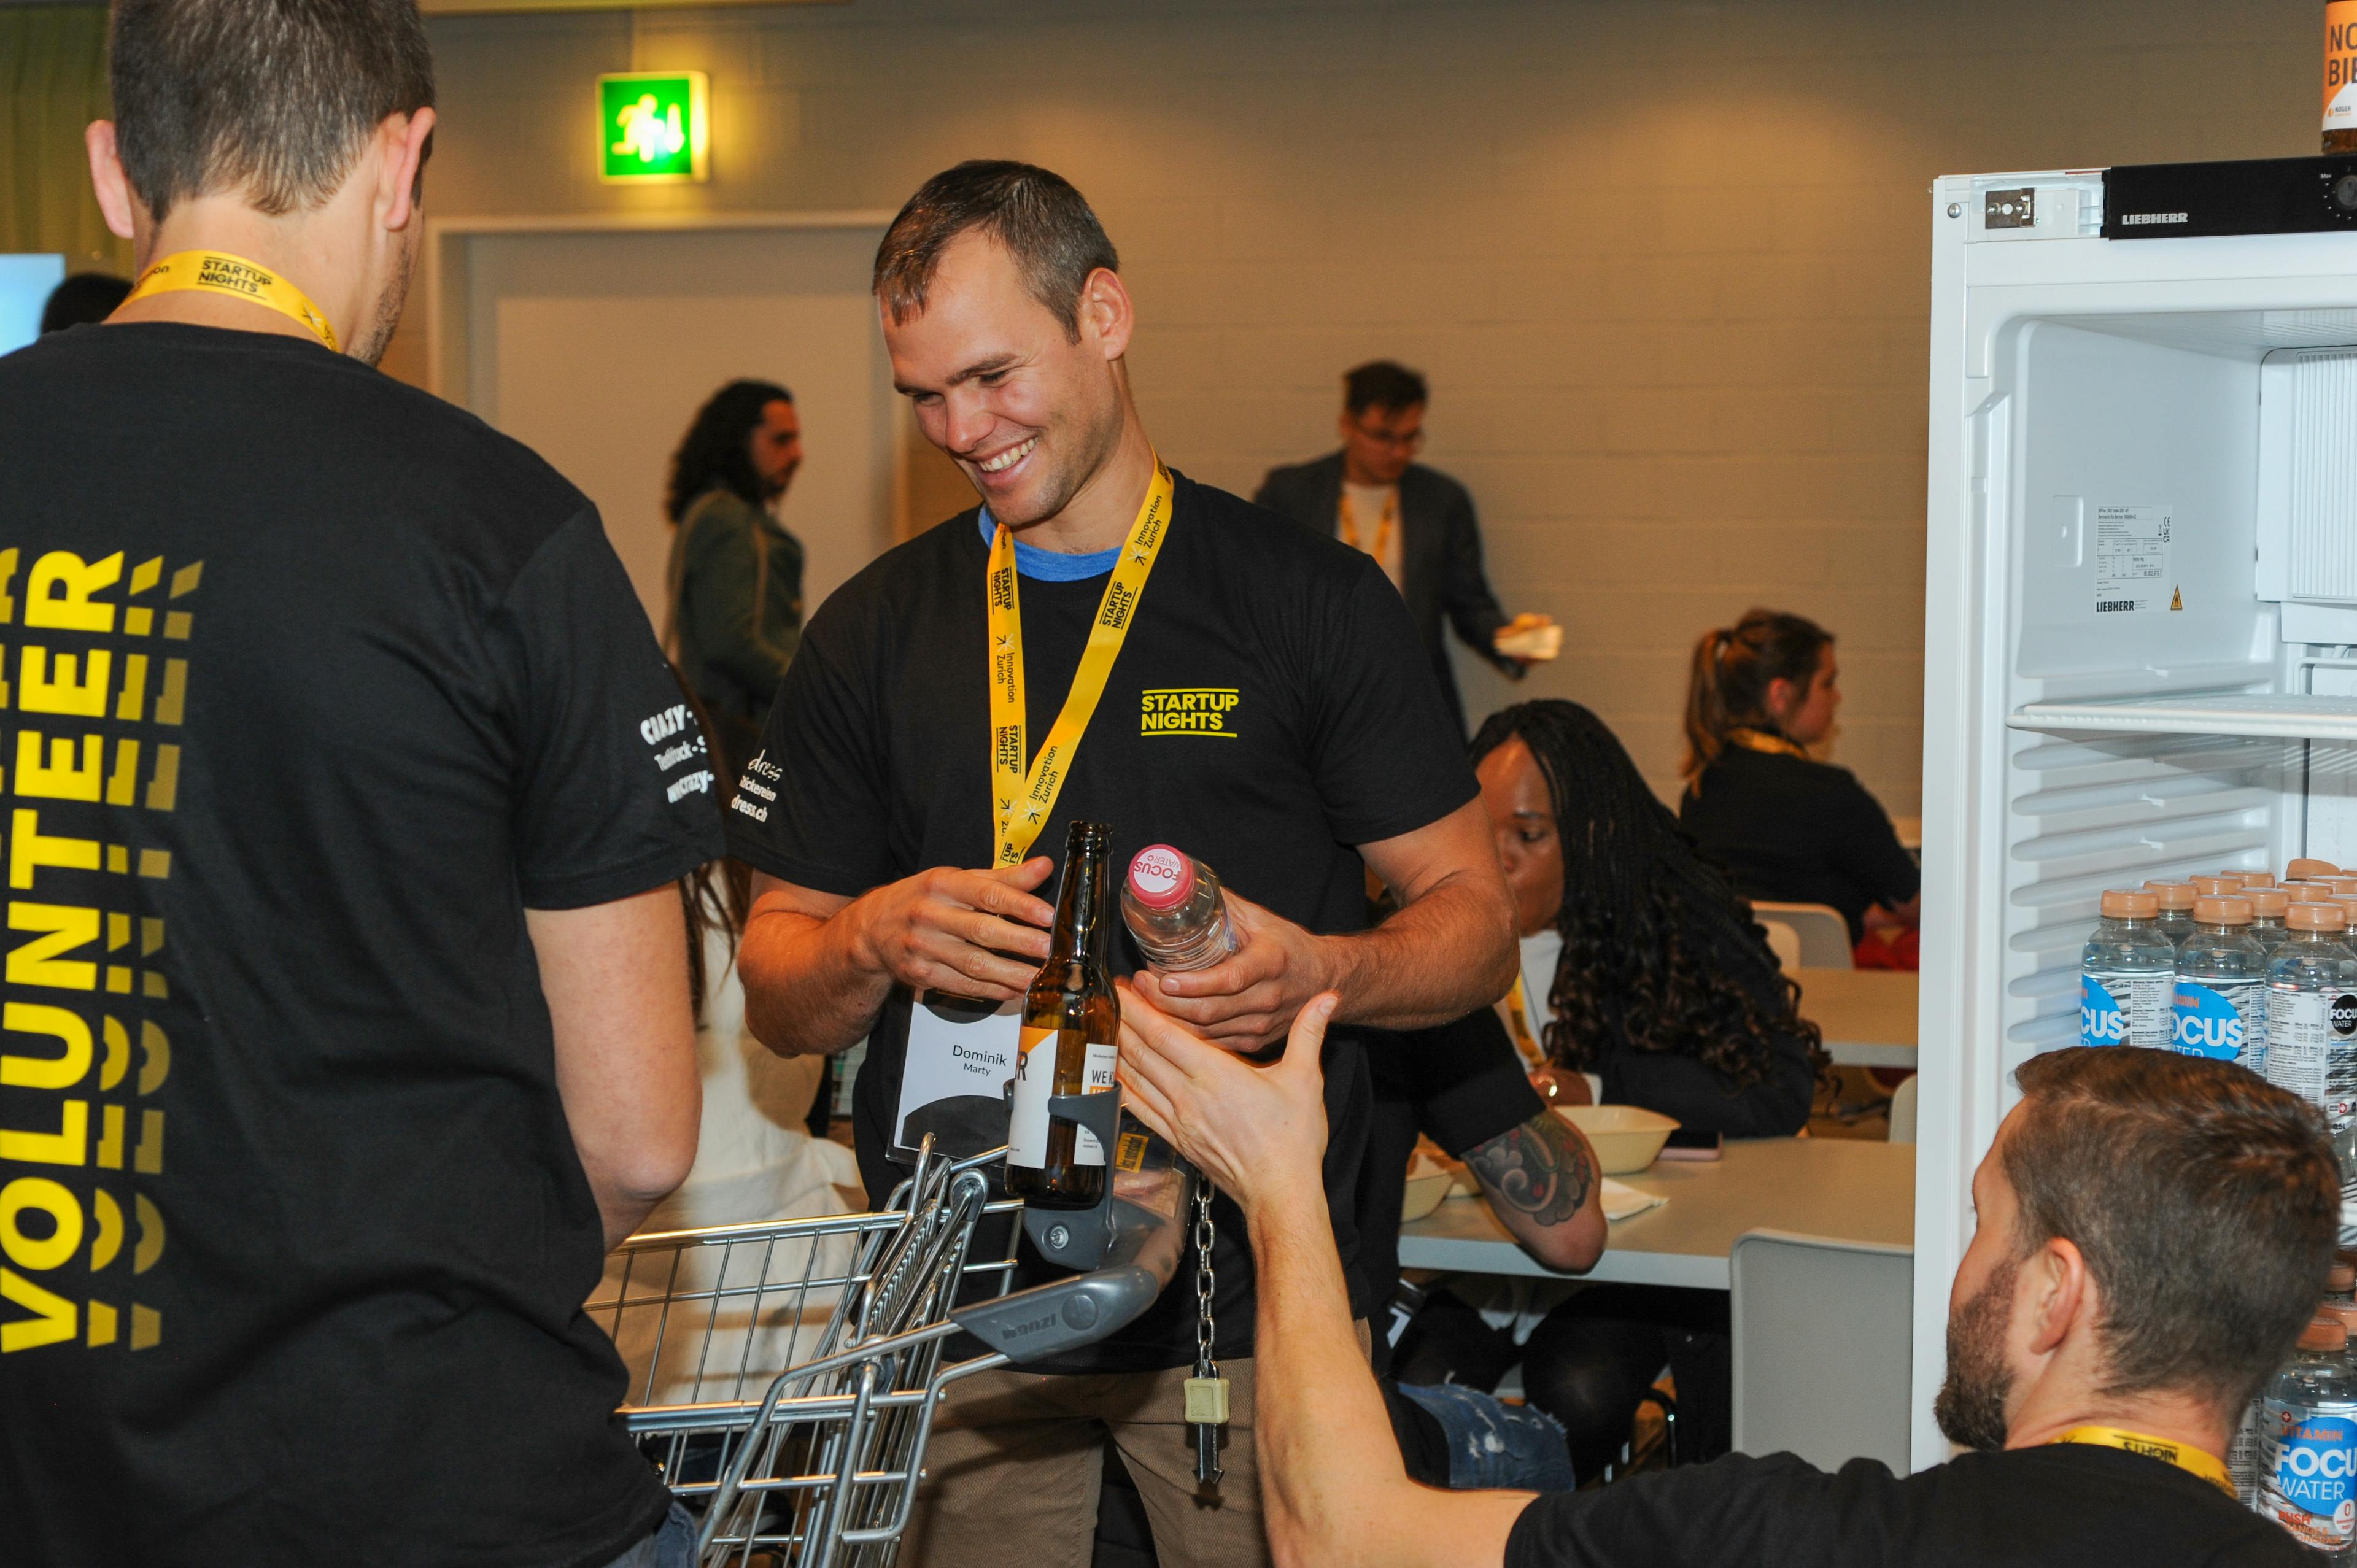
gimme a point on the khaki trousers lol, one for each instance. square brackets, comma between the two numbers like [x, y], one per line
[1015, 1459]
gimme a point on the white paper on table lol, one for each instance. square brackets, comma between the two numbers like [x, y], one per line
[1621, 1201]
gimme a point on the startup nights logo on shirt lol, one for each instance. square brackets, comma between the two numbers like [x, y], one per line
[1187, 710]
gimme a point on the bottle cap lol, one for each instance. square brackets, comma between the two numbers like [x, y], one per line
[2316, 917]
[2172, 894]
[2266, 903]
[2217, 887]
[2255, 878]
[2343, 1313]
[2340, 884]
[2215, 911]
[2323, 1333]
[2339, 1278]
[2129, 904]
[1160, 877]
[2307, 867]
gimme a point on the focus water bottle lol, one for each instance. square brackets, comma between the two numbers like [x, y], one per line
[2308, 1437]
[2127, 975]
[2221, 1005]
[2311, 977]
[1173, 906]
[2176, 907]
[2268, 906]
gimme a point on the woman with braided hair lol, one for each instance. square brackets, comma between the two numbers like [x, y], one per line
[1648, 984]
[1786, 826]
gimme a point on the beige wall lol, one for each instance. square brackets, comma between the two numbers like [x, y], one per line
[1665, 263]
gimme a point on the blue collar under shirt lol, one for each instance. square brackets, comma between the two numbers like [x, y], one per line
[1049, 565]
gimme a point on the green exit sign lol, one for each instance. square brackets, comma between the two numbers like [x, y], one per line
[652, 125]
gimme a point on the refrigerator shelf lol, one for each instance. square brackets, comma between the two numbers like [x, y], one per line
[2275, 715]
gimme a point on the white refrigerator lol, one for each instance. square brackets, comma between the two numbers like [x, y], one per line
[2140, 640]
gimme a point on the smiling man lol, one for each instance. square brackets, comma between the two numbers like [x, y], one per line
[1253, 695]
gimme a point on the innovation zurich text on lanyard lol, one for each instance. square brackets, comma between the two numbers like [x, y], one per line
[1022, 801]
[216, 272]
[2167, 1451]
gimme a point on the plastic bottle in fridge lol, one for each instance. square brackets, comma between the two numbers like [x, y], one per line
[1173, 906]
[2307, 1436]
[2127, 974]
[2220, 1010]
[2311, 977]
[2267, 906]
[2176, 906]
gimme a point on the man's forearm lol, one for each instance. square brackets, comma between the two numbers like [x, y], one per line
[807, 992]
[1445, 954]
[1333, 1488]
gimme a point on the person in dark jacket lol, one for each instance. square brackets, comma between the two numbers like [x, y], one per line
[735, 581]
[1418, 523]
[1664, 994]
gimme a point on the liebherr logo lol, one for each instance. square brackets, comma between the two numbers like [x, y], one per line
[2142, 218]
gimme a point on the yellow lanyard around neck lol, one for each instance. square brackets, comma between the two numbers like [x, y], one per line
[1023, 800]
[2209, 1466]
[1350, 526]
[1526, 1039]
[216, 272]
[1759, 740]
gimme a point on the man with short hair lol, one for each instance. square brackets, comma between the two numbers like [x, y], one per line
[346, 1006]
[2154, 1231]
[1104, 640]
[1418, 523]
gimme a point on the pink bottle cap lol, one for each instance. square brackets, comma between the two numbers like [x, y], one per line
[1160, 877]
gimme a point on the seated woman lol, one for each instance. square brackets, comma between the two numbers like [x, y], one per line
[1789, 828]
[1662, 993]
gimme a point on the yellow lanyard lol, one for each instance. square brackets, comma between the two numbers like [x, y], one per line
[218, 272]
[1753, 740]
[2209, 1466]
[1349, 527]
[1518, 1010]
[1024, 801]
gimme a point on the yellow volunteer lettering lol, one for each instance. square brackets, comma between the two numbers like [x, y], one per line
[1038, 791]
[51, 1198]
[53, 1320]
[69, 1145]
[57, 594]
[29, 849]
[37, 963]
[62, 1071]
[40, 692]
[60, 780]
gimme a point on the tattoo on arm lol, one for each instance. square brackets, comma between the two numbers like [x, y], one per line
[1540, 1168]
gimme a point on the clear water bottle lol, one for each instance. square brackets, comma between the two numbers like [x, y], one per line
[2242, 1450]
[1172, 904]
[2308, 1437]
[2176, 907]
[2127, 974]
[2312, 973]
[2268, 905]
[2221, 1005]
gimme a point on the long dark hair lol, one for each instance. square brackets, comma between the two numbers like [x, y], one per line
[715, 449]
[1732, 668]
[1658, 952]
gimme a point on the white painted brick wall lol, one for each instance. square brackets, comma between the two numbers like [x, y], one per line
[1665, 264]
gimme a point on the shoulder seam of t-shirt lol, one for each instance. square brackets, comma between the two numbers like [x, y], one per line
[586, 512]
[586, 889]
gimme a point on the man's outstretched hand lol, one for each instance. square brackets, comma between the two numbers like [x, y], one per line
[1259, 1132]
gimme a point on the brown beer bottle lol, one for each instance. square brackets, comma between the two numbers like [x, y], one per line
[1072, 1019]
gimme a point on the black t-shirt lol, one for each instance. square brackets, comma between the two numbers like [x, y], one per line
[2066, 1506]
[316, 684]
[1330, 733]
[1798, 831]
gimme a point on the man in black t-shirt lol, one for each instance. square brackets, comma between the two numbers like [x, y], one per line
[2154, 1230]
[346, 1001]
[1266, 709]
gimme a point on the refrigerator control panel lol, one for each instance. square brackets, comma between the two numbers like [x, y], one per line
[2254, 196]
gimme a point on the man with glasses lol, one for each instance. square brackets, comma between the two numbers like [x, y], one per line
[1416, 522]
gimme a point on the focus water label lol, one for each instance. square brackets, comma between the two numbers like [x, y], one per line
[2312, 1495]
[2101, 1021]
[2207, 1023]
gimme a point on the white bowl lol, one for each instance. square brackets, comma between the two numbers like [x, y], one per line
[1625, 1138]
[1427, 1183]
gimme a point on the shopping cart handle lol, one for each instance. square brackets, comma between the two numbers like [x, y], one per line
[1065, 1314]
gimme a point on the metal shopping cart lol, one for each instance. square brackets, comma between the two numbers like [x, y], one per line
[785, 1375]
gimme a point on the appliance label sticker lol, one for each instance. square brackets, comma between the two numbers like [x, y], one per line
[2132, 560]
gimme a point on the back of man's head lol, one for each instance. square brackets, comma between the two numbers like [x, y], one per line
[2205, 1202]
[271, 98]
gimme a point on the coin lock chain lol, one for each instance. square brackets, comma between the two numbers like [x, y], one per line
[1206, 1392]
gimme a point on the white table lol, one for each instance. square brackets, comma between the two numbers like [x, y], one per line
[1868, 1014]
[1822, 1186]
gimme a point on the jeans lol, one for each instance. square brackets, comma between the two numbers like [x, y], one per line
[1492, 1445]
[673, 1545]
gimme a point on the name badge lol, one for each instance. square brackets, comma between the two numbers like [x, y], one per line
[955, 1074]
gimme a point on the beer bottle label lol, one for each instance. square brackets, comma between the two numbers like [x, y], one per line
[1097, 1077]
[1035, 1084]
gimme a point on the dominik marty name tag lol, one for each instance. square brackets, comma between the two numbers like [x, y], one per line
[954, 1076]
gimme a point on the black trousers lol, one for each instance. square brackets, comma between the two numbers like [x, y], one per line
[1591, 1360]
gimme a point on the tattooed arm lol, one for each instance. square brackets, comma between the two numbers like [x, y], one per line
[1541, 1182]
